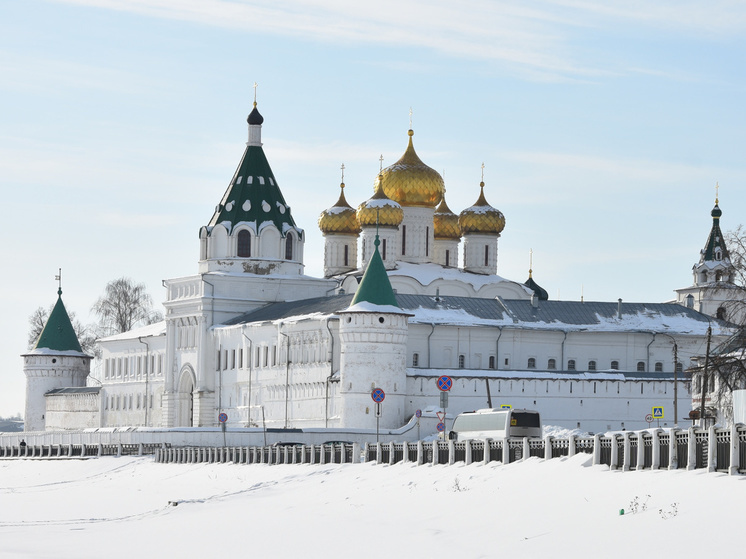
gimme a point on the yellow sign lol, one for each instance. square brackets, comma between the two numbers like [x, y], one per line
[658, 412]
[505, 406]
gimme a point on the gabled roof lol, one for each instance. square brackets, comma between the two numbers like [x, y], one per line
[253, 194]
[58, 333]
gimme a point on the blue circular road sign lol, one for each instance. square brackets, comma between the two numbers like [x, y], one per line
[418, 413]
[445, 383]
[441, 427]
[378, 395]
[223, 417]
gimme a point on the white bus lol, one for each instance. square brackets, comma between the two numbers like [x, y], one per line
[496, 424]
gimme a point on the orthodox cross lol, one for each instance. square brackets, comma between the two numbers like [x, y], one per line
[255, 86]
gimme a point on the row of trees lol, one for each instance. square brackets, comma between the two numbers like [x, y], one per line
[124, 305]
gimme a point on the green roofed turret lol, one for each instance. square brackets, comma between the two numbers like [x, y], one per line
[58, 333]
[375, 287]
[253, 195]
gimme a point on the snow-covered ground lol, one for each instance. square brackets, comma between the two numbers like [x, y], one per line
[120, 507]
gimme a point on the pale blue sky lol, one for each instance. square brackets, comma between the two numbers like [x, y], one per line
[603, 127]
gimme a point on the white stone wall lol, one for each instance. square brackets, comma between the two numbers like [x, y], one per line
[334, 254]
[373, 355]
[45, 372]
[474, 253]
[419, 241]
[390, 253]
[441, 246]
[73, 411]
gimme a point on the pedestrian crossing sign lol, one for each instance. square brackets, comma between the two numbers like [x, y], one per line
[658, 412]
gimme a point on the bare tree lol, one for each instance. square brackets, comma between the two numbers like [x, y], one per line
[86, 333]
[124, 305]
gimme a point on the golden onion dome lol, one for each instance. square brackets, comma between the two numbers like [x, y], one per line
[481, 217]
[340, 218]
[445, 222]
[410, 182]
[380, 209]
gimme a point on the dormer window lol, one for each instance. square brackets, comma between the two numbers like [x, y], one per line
[289, 247]
[718, 255]
[690, 301]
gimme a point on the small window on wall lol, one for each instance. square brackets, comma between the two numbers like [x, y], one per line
[641, 366]
[448, 258]
[486, 255]
[591, 365]
[679, 368]
[492, 361]
[571, 365]
[461, 361]
[531, 363]
[347, 255]
[552, 364]
[244, 243]
[415, 360]
[659, 367]
[289, 247]
[383, 245]
[720, 314]
[615, 365]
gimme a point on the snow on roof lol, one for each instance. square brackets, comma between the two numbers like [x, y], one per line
[513, 313]
[47, 351]
[155, 329]
[428, 273]
[365, 306]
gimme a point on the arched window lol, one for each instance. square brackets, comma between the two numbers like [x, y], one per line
[244, 243]
[383, 245]
[718, 275]
[461, 361]
[679, 368]
[486, 255]
[571, 365]
[415, 360]
[531, 363]
[427, 241]
[552, 364]
[347, 255]
[448, 257]
[591, 365]
[720, 313]
[615, 365]
[690, 301]
[404, 239]
[289, 247]
[658, 367]
[641, 366]
[492, 361]
[703, 277]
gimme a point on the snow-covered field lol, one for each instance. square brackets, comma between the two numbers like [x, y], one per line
[120, 507]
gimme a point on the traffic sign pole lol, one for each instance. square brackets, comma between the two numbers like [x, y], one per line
[444, 385]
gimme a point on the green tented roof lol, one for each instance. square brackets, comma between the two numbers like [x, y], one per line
[58, 333]
[715, 240]
[253, 196]
[375, 287]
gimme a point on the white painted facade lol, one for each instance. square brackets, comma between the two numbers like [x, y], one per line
[283, 367]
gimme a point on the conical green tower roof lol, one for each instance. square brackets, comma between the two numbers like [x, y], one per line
[375, 287]
[253, 194]
[58, 333]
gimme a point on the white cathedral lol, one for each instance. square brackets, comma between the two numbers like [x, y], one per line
[250, 336]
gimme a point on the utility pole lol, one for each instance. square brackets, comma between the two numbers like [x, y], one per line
[703, 392]
[675, 384]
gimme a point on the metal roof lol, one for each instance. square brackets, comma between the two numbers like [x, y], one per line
[75, 390]
[561, 313]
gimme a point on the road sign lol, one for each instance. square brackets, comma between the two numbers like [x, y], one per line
[649, 418]
[378, 395]
[444, 383]
[441, 427]
[658, 412]
[444, 400]
[441, 416]
[379, 411]
[505, 407]
[223, 417]
[418, 414]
